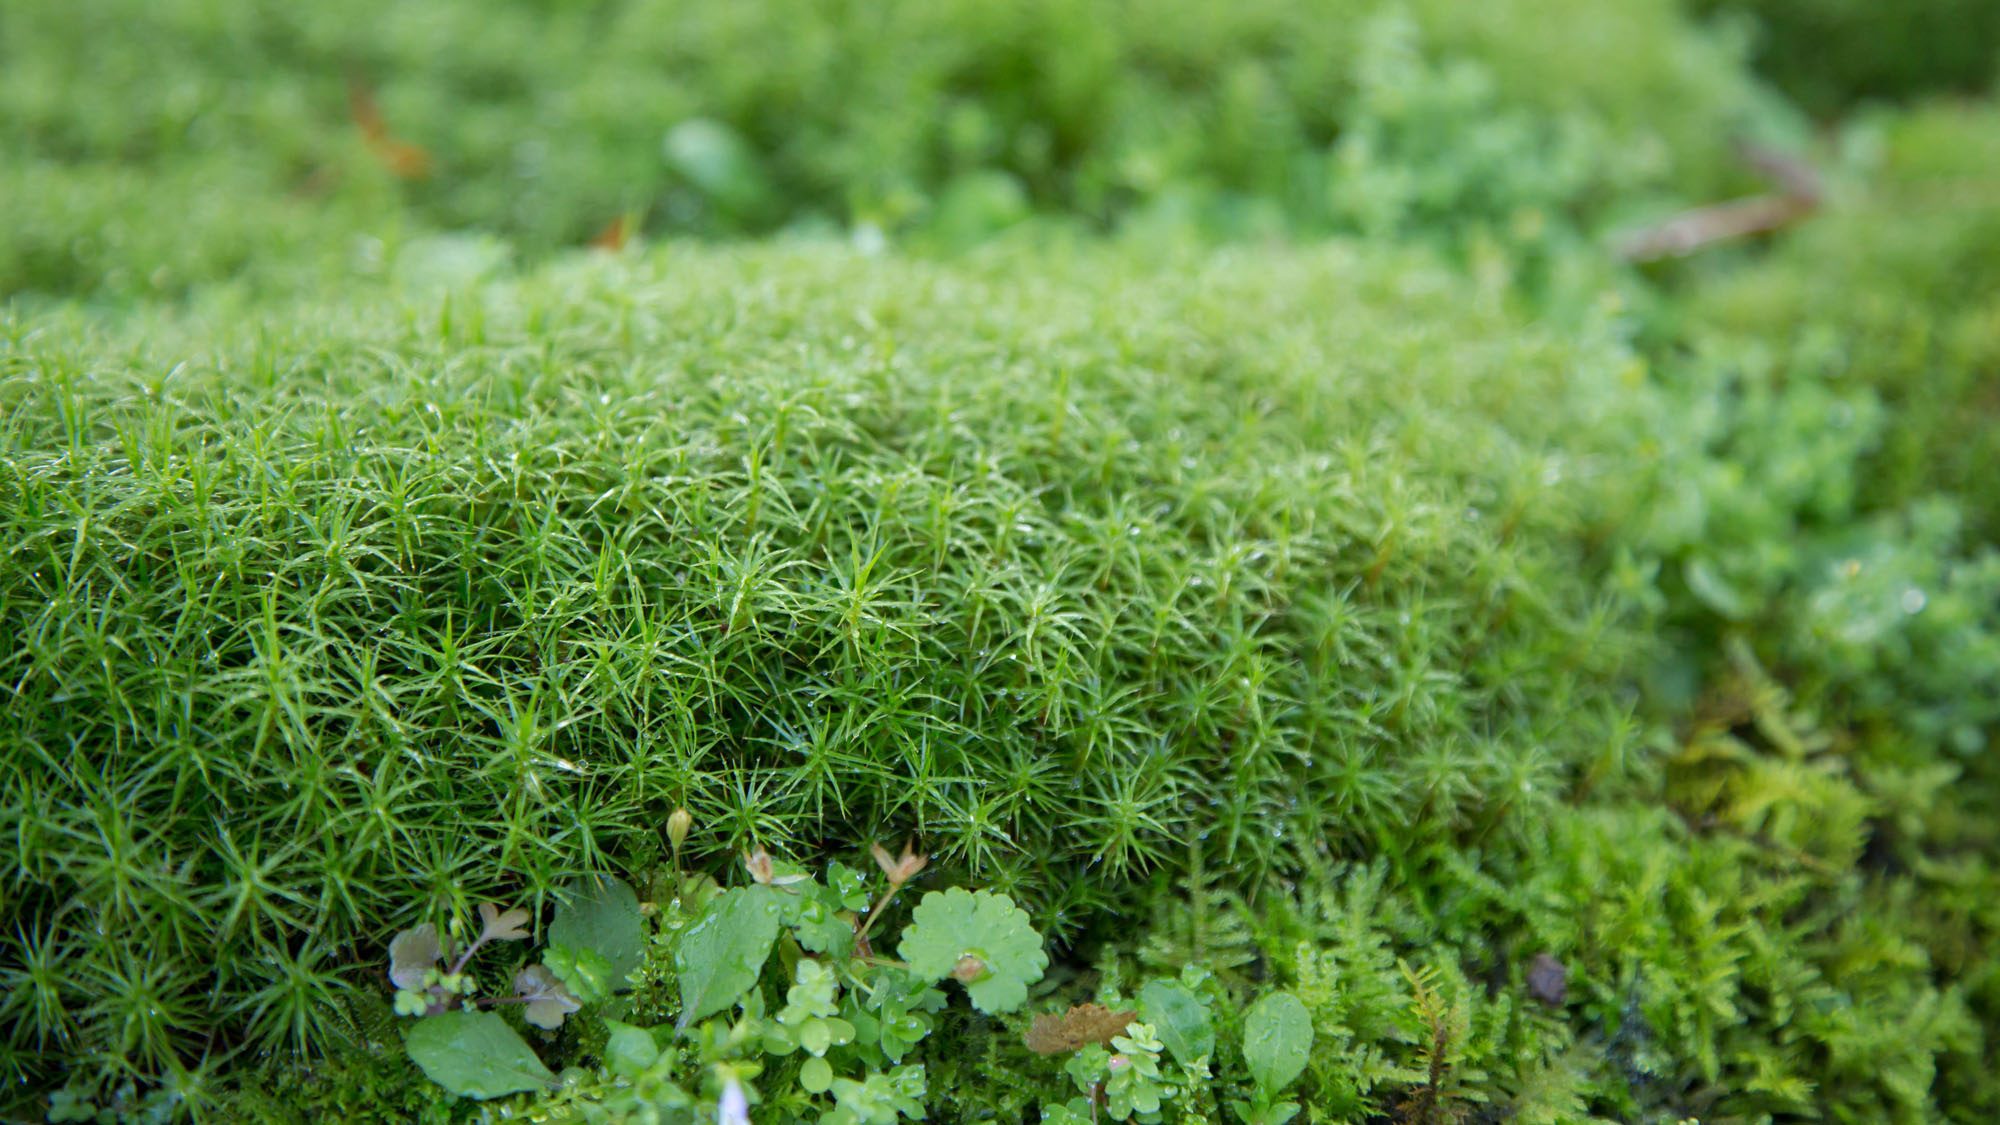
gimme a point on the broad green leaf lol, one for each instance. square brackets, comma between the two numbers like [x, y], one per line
[630, 1051]
[475, 1055]
[957, 930]
[1277, 1037]
[720, 955]
[1180, 1020]
[815, 1075]
[603, 918]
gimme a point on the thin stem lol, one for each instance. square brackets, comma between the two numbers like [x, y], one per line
[875, 911]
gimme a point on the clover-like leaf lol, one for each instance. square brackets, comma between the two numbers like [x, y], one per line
[584, 972]
[980, 939]
[818, 921]
[548, 1000]
[502, 926]
[412, 954]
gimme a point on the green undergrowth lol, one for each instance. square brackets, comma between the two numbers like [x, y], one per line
[1433, 675]
[1830, 54]
[146, 148]
[339, 615]
[1313, 605]
[1830, 501]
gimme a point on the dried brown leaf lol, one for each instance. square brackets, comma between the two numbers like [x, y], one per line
[501, 926]
[1083, 1024]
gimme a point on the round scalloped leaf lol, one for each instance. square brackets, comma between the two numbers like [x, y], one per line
[948, 927]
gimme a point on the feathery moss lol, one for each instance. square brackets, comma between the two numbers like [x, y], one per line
[347, 614]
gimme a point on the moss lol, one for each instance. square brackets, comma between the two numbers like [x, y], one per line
[463, 592]
[152, 145]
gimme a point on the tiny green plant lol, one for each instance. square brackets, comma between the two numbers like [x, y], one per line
[1277, 1041]
[780, 997]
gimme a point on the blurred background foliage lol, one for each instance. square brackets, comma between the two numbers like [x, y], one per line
[152, 146]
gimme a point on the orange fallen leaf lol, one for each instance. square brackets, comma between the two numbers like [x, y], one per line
[615, 234]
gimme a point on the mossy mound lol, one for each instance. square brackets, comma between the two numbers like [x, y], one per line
[343, 616]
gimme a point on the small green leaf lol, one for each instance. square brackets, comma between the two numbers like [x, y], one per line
[1714, 591]
[849, 886]
[586, 975]
[603, 918]
[412, 954]
[1277, 1037]
[499, 925]
[475, 1055]
[1180, 1019]
[814, 914]
[816, 1076]
[956, 930]
[630, 1051]
[548, 1000]
[722, 953]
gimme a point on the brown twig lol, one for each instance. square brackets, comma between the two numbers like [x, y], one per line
[1799, 195]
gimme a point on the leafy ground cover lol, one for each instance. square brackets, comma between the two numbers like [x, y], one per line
[152, 147]
[1429, 674]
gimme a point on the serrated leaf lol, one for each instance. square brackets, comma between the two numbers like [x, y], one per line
[1277, 1038]
[1180, 1019]
[814, 914]
[502, 926]
[949, 927]
[603, 918]
[475, 1055]
[548, 1000]
[721, 954]
[412, 953]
